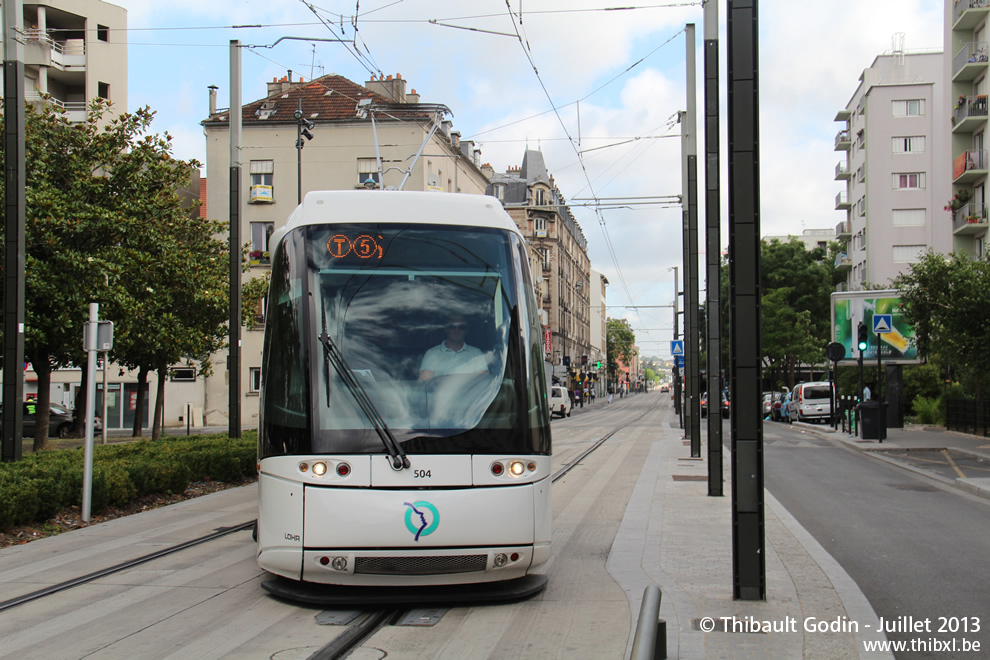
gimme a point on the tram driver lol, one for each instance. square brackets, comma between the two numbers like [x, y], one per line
[453, 355]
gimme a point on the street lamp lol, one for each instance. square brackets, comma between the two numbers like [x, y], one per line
[303, 127]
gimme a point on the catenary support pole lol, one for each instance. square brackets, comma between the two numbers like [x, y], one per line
[692, 353]
[713, 251]
[748, 534]
[89, 338]
[234, 352]
[14, 205]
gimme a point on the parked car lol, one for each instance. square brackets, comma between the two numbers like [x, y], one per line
[60, 420]
[767, 403]
[811, 402]
[560, 402]
[785, 405]
[778, 407]
[724, 406]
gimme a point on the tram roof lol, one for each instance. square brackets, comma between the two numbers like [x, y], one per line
[415, 207]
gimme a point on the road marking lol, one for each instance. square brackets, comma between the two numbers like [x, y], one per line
[953, 464]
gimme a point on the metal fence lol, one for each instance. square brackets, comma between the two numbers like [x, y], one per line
[968, 416]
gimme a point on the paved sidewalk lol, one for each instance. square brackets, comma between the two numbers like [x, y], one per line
[676, 536]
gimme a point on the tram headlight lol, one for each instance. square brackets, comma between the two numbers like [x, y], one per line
[319, 469]
[516, 468]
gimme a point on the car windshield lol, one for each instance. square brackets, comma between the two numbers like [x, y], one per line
[816, 392]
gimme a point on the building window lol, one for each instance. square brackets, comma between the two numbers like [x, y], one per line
[908, 217]
[861, 138]
[908, 108]
[103, 33]
[861, 173]
[540, 224]
[545, 258]
[262, 180]
[254, 380]
[103, 90]
[261, 312]
[909, 145]
[182, 374]
[861, 206]
[261, 233]
[909, 180]
[499, 189]
[368, 171]
[908, 254]
[539, 197]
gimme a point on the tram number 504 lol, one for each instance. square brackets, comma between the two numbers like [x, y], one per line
[421, 474]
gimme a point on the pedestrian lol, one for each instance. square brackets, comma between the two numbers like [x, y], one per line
[610, 395]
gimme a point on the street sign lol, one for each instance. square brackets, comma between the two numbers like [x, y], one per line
[677, 347]
[835, 351]
[679, 361]
[882, 323]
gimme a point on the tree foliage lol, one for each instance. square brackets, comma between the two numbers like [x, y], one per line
[946, 299]
[620, 340]
[105, 223]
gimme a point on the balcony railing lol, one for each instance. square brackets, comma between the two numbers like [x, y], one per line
[841, 171]
[969, 111]
[962, 6]
[841, 201]
[969, 61]
[74, 110]
[842, 261]
[842, 231]
[969, 219]
[969, 166]
[842, 140]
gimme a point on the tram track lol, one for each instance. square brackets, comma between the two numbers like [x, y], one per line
[123, 566]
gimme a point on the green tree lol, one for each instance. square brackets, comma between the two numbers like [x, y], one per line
[104, 223]
[619, 342]
[946, 299]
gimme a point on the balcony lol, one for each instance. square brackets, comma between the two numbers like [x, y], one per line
[843, 232]
[40, 49]
[970, 113]
[967, 13]
[969, 166]
[842, 202]
[969, 219]
[843, 262]
[970, 61]
[261, 195]
[843, 142]
[841, 171]
[75, 111]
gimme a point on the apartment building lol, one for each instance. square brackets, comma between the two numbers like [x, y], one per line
[559, 260]
[895, 166]
[965, 70]
[599, 321]
[331, 145]
[75, 50]
[812, 238]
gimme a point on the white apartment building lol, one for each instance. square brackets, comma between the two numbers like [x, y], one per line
[896, 168]
[965, 70]
[340, 155]
[75, 50]
[599, 320]
[812, 238]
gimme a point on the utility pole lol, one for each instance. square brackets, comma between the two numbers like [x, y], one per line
[14, 242]
[713, 240]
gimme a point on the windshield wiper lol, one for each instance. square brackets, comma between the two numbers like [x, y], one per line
[332, 354]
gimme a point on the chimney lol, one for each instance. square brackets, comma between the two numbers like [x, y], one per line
[213, 99]
[391, 88]
[488, 170]
[413, 97]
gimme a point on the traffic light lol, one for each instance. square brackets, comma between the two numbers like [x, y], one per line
[598, 364]
[584, 359]
[567, 360]
[861, 337]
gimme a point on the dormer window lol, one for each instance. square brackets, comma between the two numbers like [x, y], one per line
[539, 197]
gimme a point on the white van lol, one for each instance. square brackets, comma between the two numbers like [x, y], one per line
[810, 401]
[560, 403]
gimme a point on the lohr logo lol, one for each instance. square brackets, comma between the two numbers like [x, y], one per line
[422, 518]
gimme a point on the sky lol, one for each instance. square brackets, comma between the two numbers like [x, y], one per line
[595, 88]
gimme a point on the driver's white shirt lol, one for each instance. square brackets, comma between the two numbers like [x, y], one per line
[443, 361]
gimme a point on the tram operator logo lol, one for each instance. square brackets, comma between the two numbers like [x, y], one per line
[422, 518]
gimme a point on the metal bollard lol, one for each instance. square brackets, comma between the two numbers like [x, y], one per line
[650, 640]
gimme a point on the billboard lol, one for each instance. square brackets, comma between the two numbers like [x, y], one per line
[849, 308]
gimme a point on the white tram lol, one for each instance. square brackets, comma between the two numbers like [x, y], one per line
[404, 434]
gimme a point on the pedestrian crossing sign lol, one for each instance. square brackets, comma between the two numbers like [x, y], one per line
[677, 348]
[882, 323]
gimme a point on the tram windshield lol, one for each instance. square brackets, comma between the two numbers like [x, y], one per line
[433, 330]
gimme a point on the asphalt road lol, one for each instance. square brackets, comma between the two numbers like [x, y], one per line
[915, 548]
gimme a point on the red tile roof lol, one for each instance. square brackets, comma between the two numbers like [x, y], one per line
[327, 98]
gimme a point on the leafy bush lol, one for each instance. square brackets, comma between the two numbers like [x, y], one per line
[928, 411]
[42, 484]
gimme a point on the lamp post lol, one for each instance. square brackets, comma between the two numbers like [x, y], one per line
[303, 127]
